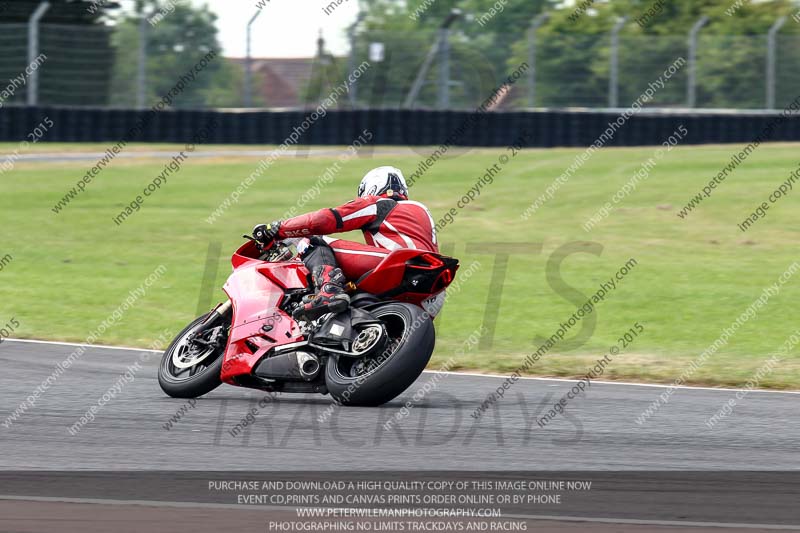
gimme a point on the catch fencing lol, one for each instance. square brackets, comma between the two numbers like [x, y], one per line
[128, 65]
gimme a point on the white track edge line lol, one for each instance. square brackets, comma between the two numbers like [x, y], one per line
[625, 383]
[128, 348]
[468, 374]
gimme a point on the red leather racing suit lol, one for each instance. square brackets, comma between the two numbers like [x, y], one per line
[387, 224]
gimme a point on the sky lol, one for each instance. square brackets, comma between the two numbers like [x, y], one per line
[285, 28]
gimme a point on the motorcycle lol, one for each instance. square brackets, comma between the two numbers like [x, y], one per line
[366, 355]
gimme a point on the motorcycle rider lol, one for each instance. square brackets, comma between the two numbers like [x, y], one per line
[382, 211]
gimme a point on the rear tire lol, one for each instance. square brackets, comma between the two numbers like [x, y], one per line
[184, 384]
[401, 365]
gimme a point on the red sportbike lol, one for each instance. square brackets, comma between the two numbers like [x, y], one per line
[365, 355]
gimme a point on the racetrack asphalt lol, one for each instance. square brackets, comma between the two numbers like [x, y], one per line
[202, 152]
[307, 432]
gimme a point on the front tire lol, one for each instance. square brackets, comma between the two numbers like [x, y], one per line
[180, 378]
[378, 379]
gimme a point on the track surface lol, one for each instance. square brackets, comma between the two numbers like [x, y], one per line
[82, 156]
[599, 433]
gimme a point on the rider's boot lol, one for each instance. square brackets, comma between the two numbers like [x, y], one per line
[331, 296]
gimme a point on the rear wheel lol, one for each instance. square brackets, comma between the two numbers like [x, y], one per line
[388, 371]
[192, 364]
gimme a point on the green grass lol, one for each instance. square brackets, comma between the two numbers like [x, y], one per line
[693, 277]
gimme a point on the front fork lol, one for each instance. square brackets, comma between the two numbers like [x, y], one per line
[215, 315]
[220, 311]
[213, 318]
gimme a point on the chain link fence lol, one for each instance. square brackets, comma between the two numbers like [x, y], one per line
[564, 70]
[401, 63]
[105, 66]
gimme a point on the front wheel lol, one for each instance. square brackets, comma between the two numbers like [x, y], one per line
[192, 364]
[380, 377]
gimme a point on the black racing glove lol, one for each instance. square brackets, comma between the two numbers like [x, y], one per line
[266, 233]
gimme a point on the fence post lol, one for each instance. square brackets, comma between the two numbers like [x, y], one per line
[435, 50]
[535, 25]
[613, 80]
[444, 59]
[413, 93]
[33, 52]
[141, 73]
[444, 69]
[248, 66]
[771, 54]
[352, 93]
[691, 84]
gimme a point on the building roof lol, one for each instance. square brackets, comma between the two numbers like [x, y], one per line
[284, 79]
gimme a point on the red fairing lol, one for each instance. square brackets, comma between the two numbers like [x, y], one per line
[246, 253]
[389, 273]
[286, 275]
[289, 275]
[256, 288]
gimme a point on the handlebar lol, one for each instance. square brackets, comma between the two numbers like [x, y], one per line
[273, 252]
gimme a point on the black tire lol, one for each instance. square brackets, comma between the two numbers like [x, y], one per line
[206, 378]
[401, 366]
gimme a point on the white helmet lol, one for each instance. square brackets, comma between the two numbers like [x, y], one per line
[382, 180]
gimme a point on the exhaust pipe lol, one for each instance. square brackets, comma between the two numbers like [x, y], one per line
[291, 366]
[308, 365]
